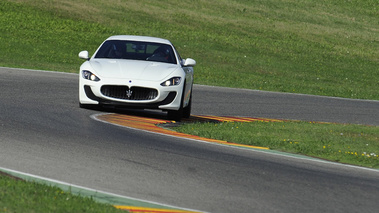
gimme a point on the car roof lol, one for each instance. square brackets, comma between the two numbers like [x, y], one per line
[139, 38]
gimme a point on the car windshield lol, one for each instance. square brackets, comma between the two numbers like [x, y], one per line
[136, 50]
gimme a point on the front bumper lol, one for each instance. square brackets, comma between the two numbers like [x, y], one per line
[155, 105]
[167, 98]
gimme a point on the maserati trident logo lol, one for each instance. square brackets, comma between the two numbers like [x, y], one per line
[129, 93]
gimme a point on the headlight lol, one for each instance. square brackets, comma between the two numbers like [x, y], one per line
[89, 76]
[171, 82]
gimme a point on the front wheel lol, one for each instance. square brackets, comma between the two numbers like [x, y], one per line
[175, 115]
[187, 109]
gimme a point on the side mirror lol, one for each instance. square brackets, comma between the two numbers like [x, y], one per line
[189, 62]
[84, 55]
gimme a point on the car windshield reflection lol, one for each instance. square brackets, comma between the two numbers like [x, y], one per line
[135, 50]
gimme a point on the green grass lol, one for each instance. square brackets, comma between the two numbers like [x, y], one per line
[22, 196]
[345, 143]
[314, 47]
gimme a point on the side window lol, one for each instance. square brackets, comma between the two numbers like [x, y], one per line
[136, 50]
[151, 48]
[139, 48]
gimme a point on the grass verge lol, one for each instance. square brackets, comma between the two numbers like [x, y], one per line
[312, 47]
[17, 195]
[344, 143]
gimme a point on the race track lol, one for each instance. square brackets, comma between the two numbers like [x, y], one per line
[44, 132]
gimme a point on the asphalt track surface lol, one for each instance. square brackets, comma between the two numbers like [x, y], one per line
[44, 132]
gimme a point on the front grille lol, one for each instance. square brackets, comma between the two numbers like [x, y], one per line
[126, 93]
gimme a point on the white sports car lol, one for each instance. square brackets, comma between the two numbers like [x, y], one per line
[137, 72]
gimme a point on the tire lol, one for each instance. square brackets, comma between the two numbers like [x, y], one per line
[187, 109]
[177, 115]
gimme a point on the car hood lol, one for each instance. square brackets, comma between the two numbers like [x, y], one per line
[132, 69]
